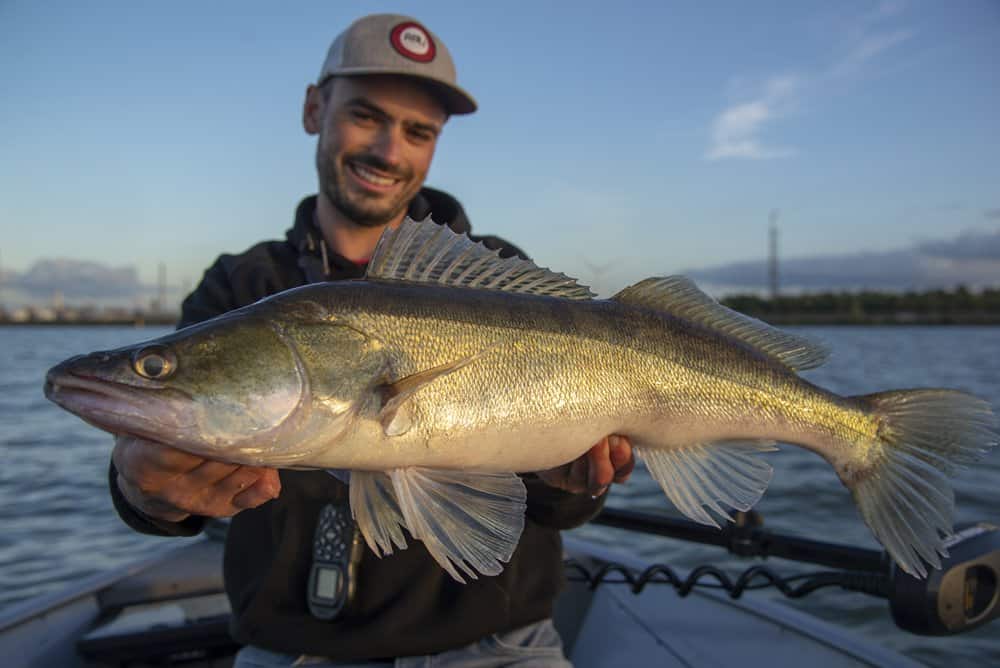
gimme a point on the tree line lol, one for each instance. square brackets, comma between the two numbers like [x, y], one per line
[958, 306]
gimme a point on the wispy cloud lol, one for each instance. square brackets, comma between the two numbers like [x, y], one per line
[866, 49]
[736, 132]
[992, 214]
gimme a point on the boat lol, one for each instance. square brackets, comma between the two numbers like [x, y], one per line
[171, 609]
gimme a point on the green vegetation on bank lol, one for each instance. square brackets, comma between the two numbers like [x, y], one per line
[960, 306]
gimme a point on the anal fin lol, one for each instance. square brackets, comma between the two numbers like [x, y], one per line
[469, 522]
[721, 476]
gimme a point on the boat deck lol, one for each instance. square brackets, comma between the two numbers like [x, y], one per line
[172, 608]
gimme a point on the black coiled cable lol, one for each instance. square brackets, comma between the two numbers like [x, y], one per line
[755, 577]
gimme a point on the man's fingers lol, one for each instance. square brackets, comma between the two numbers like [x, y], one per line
[610, 460]
[132, 453]
[262, 490]
[149, 505]
[239, 480]
[622, 457]
[209, 473]
[171, 484]
[600, 473]
[576, 479]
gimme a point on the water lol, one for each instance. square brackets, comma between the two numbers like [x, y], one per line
[59, 524]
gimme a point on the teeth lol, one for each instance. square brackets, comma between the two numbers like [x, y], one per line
[372, 177]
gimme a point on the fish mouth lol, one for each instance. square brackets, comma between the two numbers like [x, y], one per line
[113, 407]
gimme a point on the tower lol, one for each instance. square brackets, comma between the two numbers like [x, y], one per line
[161, 288]
[772, 258]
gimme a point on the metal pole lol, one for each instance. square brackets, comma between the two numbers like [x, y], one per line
[747, 539]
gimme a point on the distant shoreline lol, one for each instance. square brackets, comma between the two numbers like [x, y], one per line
[124, 322]
[779, 320]
[890, 320]
[868, 308]
[934, 307]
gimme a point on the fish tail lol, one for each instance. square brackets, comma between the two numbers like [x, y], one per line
[900, 479]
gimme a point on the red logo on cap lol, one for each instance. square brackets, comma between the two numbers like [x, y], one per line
[413, 41]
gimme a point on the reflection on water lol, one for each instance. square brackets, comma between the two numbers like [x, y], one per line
[59, 523]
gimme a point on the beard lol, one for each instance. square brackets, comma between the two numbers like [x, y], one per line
[362, 208]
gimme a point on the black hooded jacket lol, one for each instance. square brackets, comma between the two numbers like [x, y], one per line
[405, 603]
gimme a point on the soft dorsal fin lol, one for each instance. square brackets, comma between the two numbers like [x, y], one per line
[425, 252]
[679, 296]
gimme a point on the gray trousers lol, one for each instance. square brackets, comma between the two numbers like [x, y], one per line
[534, 646]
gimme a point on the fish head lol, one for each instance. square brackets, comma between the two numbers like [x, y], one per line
[227, 386]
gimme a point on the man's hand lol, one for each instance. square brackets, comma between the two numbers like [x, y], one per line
[611, 460]
[171, 484]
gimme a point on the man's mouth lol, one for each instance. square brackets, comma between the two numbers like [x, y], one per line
[371, 176]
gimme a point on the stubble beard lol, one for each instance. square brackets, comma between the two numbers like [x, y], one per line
[356, 207]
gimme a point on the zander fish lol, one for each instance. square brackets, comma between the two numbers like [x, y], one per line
[447, 370]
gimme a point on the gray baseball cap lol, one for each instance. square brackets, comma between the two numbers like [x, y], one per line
[395, 44]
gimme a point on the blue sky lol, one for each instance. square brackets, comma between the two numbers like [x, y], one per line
[614, 140]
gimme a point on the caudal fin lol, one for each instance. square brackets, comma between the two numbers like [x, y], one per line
[902, 490]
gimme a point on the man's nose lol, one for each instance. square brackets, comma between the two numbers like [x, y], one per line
[388, 145]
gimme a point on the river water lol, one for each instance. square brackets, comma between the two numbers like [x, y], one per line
[58, 523]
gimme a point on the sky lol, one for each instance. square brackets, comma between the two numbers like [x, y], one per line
[614, 141]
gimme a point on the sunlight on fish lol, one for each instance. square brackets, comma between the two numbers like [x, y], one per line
[448, 370]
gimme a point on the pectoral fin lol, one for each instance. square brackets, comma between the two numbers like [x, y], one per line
[717, 475]
[469, 522]
[396, 421]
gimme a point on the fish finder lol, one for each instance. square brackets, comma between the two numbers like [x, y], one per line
[336, 551]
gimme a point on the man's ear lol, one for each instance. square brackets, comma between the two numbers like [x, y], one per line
[312, 110]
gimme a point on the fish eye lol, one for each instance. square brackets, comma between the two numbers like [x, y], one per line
[153, 363]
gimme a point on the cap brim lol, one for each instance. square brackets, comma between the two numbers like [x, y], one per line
[455, 99]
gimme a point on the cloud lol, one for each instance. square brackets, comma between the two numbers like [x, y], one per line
[971, 259]
[866, 49]
[735, 131]
[992, 214]
[967, 246]
[77, 279]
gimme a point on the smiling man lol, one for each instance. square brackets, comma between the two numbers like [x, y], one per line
[375, 146]
[304, 589]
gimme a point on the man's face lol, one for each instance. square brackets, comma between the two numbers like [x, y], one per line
[376, 142]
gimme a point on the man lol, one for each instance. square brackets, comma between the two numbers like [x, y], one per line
[384, 94]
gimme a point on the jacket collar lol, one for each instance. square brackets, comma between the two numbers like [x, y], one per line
[306, 238]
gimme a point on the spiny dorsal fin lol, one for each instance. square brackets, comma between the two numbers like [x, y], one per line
[425, 252]
[678, 296]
